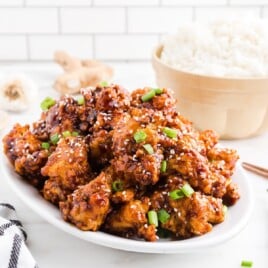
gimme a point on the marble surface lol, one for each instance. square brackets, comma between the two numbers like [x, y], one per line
[53, 248]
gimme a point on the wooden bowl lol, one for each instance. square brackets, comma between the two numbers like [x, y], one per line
[234, 107]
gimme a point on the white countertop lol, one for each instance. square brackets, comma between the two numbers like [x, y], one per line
[53, 248]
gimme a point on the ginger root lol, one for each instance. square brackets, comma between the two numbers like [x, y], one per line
[79, 73]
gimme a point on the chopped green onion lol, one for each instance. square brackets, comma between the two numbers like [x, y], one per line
[117, 186]
[47, 103]
[75, 133]
[152, 217]
[163, 167]
[158, 91]
[140, 136]
[66, 133]
[163, 233]
[171, 133]
[245, 263]
[176, 194]
[81, 100]
[225, 209]
[187, 190]
[163, 215]
[45, 145]
[104, 84]
[148, 147]
[55, 138]
[148, 96]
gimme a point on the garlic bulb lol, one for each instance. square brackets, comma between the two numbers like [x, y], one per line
[4, 119]
[17, 92]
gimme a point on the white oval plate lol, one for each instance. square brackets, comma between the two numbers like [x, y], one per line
[236, 220]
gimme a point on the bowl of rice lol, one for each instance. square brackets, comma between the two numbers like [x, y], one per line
[219, 74]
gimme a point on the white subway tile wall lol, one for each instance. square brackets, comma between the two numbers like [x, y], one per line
[112, 30]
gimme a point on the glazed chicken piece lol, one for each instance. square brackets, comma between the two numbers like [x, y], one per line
[67, 168]
[63, 116]
[195, 215]
[88, 206]
[123, 196]
[210, 138]
[25, 153]
[108, 105]
[224, 160]
[164, 101]
[222, 165]
[107, 101]
[133, 162]
[189, 216]
[130, 220]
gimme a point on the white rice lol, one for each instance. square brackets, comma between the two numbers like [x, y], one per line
[228, 48]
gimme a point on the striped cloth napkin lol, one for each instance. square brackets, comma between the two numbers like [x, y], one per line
[13, 251]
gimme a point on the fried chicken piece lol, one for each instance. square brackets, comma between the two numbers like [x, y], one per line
[106, 101]
[63, 116]
[193, 167]
[25, 153]
[67, 168]
[101, 140]
[195, 215]
[131, 220]
[222, 165]
[108, 105]
[189, 216]
[123, 196]
[232, 194]
[88, 206]
[209, 137]
[163, 101]
[224, 160]
[131, 159]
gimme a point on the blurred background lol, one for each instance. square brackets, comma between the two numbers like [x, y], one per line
[109, 30]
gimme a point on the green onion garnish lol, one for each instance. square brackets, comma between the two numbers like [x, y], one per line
[66, 133]
[171, 133]
[104, 84]
[163, 215]
[245, 263]
[187, 190]
[117, 186]
[75, 133]
[55, 138]
[163, 167]
[47, 103]
[81, 100]
[45, 145]
[148, 147]
[140, 136]
[163, 233]
[148, 96]
[152, 217]
[158, 91]
[176, 194]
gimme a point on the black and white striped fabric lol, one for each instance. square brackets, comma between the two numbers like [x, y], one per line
[13, 251]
